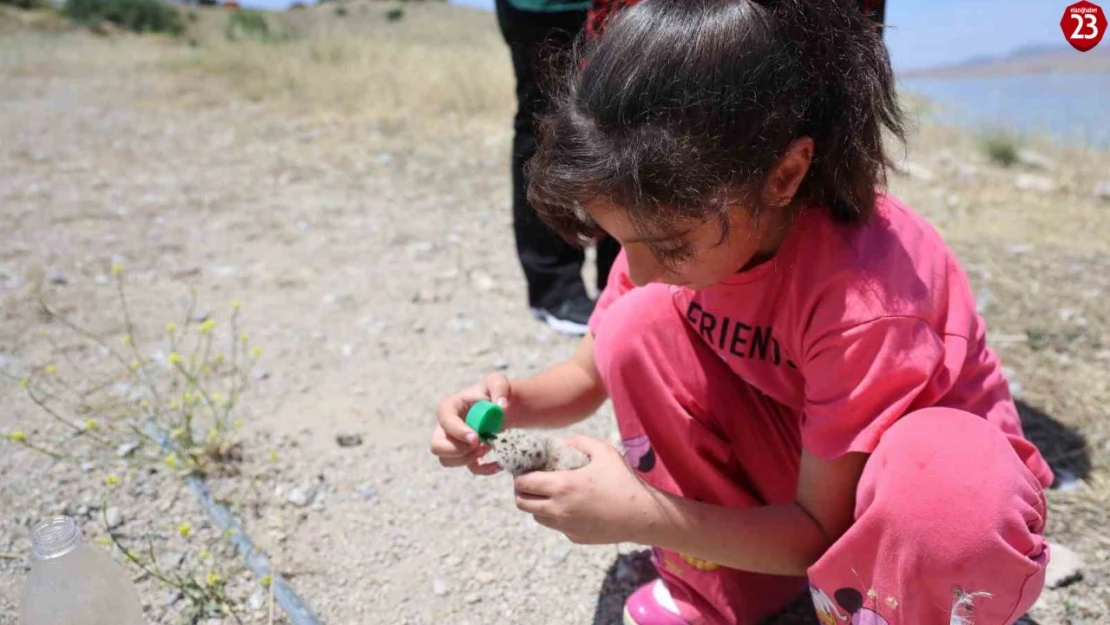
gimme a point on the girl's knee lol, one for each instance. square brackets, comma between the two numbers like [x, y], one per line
[948, 428]
[949, 523]
[950, 453]
[952, 482]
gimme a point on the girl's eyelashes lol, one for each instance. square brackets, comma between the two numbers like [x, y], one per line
[672, 254]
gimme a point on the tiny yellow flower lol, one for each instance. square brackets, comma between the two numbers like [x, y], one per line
[184, 530]
[217, 397]
[256, 351]
[213, 579]
[236, 305]
[173, 404]
[127, 340]
[17, 437]
[24, 383]
[243, 337]
[178, 432]
[273, 455]
[175, 358]
[117, 269]
[213, 435]
[267, 580]
[228, 533]
[134, 365]
[204, 554]
[206, 369]
[103, 541]
[111, 480]
[171, 327]
[238, 424]
[218, 359]
[51, 369]
[171, 461]
[207, 326]
[144, 404]
[90, 424]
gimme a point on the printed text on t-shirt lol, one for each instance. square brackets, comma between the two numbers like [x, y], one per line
[741, 339]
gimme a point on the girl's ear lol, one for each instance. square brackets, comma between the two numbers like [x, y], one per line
[788, 173]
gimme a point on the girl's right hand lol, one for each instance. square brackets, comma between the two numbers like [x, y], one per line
[454, 442]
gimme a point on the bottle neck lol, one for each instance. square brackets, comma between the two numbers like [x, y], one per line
[54, 538]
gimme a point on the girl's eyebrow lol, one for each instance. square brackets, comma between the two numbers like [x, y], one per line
[650, 240]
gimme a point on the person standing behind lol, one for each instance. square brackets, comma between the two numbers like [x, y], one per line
[537, 33]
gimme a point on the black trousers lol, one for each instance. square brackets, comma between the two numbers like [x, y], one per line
[552, 267]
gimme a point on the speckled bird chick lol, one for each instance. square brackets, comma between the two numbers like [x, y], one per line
[520, 452]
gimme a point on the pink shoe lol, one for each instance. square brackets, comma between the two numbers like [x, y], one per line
[652, 604]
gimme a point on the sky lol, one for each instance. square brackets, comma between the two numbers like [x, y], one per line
[927, 33]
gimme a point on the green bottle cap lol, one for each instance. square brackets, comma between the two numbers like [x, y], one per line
[485, 418]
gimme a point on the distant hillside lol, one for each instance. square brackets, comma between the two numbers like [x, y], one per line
[1023, 60]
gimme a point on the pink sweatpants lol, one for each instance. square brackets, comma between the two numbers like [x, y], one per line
[949, 521]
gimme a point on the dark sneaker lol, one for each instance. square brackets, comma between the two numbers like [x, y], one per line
[569, 317]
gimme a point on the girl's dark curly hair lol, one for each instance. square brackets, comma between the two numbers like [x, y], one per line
[682, 107]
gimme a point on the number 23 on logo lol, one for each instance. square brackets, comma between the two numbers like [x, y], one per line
[1083, 24]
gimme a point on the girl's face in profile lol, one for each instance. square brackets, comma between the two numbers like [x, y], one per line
[695, 257]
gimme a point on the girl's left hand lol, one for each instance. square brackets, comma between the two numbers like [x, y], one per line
[601, 503]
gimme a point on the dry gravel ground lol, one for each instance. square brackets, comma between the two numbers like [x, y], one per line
[353, 193]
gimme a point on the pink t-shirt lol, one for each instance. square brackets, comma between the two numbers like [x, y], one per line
[853, 327]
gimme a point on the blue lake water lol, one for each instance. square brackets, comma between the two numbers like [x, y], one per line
[1071, 108]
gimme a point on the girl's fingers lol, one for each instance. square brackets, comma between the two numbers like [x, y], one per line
[446, 447]
[536, 506]
[488, 468]
[541, 484]
[451, 419]
[546, 521]
[454, 442]
[465, 459]
[498, 387]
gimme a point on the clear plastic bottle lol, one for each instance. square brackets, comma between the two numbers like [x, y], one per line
[73, 583]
